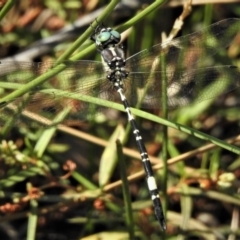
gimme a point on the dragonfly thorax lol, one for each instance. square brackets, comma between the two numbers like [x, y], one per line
[114, 63]
[113, 57]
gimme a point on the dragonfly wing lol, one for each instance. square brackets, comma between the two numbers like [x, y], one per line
[187, 52]
[79, 79]
[183, 86]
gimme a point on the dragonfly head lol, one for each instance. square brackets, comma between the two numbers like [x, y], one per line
[105, 37]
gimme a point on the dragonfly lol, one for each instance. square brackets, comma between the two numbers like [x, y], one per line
[135, 82]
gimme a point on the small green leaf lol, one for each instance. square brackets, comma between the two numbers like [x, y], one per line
[108, 160]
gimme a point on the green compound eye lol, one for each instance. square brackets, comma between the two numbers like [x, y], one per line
[103, 37]
[116, 34]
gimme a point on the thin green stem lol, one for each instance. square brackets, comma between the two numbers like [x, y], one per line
[164, 131]
[125, 188]
[9, 4]
[84, 181]
[208, 14]
[146, 115]
[32, 220]
[154, 6]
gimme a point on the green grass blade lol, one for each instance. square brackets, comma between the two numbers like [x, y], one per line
[125, 188]
[9, 4]
[45, 138]
[83, 181]
[108, 159]
[32, 220]
[148, 116]
[154, 6]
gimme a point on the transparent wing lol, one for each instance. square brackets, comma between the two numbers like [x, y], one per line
[187, 61]
[189, 51]
[183, 86]
[57, 93]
